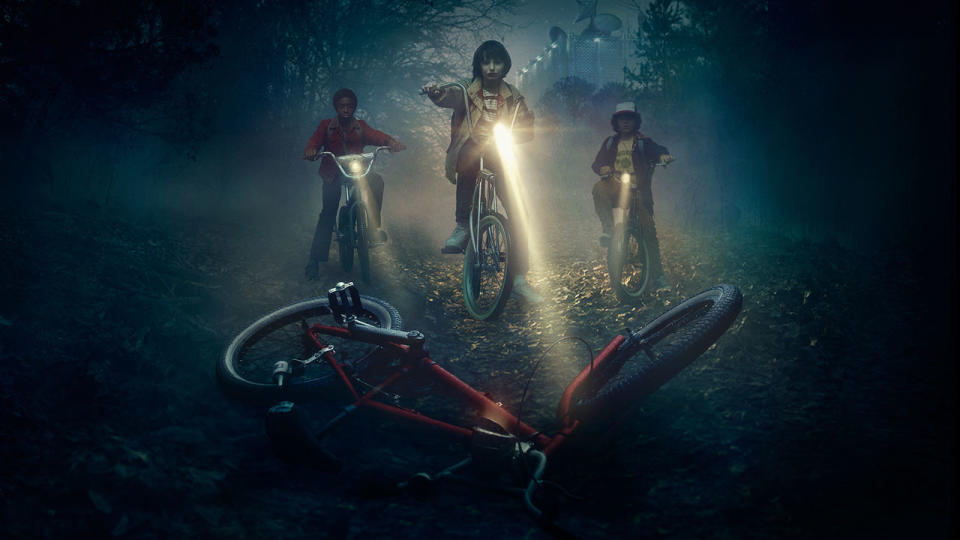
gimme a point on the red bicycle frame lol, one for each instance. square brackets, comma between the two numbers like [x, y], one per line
[409, 347]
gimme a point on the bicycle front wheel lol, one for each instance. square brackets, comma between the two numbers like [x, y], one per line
[361, 237]
[655, 354]
[345, 238]
[628, 262]
[245, 369]
[487, 274]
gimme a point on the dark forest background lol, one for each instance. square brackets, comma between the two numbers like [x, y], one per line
[154, 200]
[823, 119]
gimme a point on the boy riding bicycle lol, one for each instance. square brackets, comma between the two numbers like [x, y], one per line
[343, 134]
[629, 151]
[491, 100]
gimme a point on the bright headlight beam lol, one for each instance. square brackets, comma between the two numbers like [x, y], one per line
[511, 170]
[620, 210]
[504, 142]
[551, 322]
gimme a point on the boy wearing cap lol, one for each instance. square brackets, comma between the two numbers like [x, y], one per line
[629, 151]
[342, 134]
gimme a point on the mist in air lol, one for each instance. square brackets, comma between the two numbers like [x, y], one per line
[155, 200]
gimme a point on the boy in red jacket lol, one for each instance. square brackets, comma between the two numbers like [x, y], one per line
[341, 135]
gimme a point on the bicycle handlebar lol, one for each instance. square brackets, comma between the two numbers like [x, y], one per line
[466, 104]
[652, 165]
[355, 161]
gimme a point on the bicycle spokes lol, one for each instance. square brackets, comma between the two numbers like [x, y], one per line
[486, 270]
[491, 259]
[628, 263]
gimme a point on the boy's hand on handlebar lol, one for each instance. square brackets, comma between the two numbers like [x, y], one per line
[431, 90]
[666, 159]
[311, 154]
[396, 146]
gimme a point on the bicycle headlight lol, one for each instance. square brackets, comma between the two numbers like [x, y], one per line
[625, 178]
[355, 166]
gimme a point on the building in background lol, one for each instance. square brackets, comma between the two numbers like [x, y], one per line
[597, 55]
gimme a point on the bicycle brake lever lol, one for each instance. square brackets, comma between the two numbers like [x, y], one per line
[353, 320]
[315, 356]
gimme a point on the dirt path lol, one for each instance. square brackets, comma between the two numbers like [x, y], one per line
[812, 417]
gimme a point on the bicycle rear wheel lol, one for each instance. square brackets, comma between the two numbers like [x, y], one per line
[361, 237]
[655, 354]
[628, 262]
[245, 369]
[487, 274]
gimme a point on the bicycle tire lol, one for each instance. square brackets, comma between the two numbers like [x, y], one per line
[249, 376]
[495, 254]
[692, 326]
[361, 237]
[345, 239]
[628, 264]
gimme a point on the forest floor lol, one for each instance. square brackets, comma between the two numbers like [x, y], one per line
[827, 410]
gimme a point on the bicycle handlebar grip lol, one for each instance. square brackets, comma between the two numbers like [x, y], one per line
[412, 338]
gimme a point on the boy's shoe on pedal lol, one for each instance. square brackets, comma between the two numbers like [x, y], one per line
[605, 239]
[457, 241]
[523, 290]
[379, 235]
[311, 271]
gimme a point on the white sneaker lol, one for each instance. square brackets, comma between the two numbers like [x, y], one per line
[457, 241]
[524, 291]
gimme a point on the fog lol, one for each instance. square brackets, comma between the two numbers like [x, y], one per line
[858, 132]
[155, 199]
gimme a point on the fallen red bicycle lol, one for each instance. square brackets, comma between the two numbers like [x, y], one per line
[298, 352]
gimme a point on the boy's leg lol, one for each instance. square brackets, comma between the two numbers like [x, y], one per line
[605, 196]
[320, 248]
[375, 198]
[650, 238]
[468, 167]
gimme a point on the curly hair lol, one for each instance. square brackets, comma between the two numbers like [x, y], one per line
[490, 50]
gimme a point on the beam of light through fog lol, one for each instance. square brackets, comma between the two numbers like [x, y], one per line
[621, 210]
[512, 172]
[524, 224]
